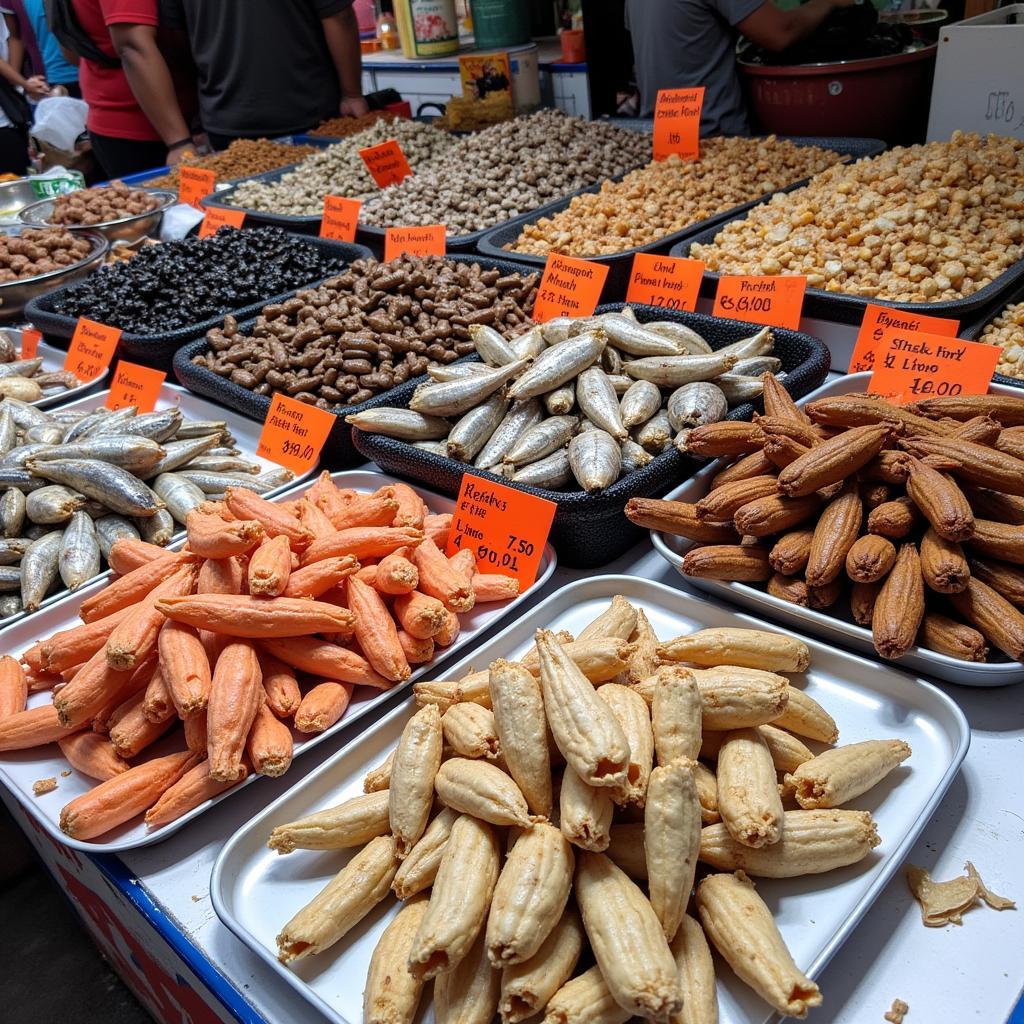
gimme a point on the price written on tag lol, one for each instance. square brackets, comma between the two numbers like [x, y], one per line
[294, 433]
[386, 163]
[913, 366]
[776, 301]
[677, 123]
[426, 240]
[194, 183]
[218, 217]
[506, 529]
[569, 287]
[134, 385]
[30, 339]
[878, 319]
[341, 217]
[665, 281]
[91, 349]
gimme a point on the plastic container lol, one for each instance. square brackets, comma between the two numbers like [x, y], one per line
[591, 529]
[500, 23]
[574, 50]
[427, 28]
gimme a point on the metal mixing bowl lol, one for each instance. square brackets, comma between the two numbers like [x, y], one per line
[14, 197]
[126, 229]
[15, 295]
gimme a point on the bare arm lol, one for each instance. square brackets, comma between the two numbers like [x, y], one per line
[10, 69]
[777, 30]
[341, 31]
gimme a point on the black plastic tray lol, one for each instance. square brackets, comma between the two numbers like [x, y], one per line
[590, 530]
[620, 264]
[338, 451]
[972, 332]
[157, 350]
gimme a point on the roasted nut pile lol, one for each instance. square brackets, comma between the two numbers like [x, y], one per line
[918, 224]
[669, 195]
[339, 169]
[369, 329]
[515, 875]
[343, 127]
[1007, 331]
[175, 284]
[913, 516]
[38, 251]
[242, 158]
[508, 169]
[98, 205]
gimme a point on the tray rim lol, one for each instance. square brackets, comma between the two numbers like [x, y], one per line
[962, 738]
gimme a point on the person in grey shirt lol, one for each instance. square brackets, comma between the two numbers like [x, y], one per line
[680, 44]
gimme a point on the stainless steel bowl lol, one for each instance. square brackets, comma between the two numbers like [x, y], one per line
[15, 295]
[14, 197]
[126, 229]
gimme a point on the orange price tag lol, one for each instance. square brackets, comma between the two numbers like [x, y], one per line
[341, 216]
[777, 301]
[134, 385]
[30, 339]
[218, 217]
[910, 366]
[294, 433]
[569, 287]
[91, 349]
[194, 183]
[665, 281]
[677, 123]
[427, 240]
[506, 529]
[878, 319]
[386, 163]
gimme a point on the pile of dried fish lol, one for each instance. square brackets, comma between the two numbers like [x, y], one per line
[72, 482]
[590, 400]
[25, 379]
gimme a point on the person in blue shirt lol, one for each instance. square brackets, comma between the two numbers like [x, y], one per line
[58, 70]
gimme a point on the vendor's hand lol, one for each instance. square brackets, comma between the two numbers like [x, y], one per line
[353, 106]
[175, 155]
[37, 87]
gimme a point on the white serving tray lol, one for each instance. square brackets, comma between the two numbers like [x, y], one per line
[53, 360]
[255, 890]
[246, 433]
[19, 769]
[839, 629]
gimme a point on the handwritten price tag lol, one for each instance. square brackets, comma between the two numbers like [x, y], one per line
[665, 281]
[910, 366]
[91, 349]
[134, 385]
[30, 339]
[505, 528]
[677, 123]
[341, 217]
[386, 163]
[194, 183]
[426, 240]
[569, 287]
[218, 217]
[776, 301]
[878, 319]
[294, 433]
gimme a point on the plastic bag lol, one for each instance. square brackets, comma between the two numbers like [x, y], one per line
[59, 121]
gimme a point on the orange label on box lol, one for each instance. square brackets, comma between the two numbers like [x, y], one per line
[134, 385]
[569, 287]
[776, 301]
[506, 529]
[665, 281]
[878, 319]
[218, 217]
[426, 240]
[911, 366]
[341, 217]
[30, 339]
[91, 349]
[294, 433]
[677, 123]
[386, 163]
[194, 183]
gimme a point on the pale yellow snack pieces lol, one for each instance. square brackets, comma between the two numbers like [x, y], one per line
[944, 903]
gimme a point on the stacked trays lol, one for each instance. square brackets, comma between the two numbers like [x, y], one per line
[158, 349]
[338, 450]
[620, 264]
[590, 529]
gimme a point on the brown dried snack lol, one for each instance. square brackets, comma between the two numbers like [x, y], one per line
[721, 504]
[827, 594]
[835, 533]
[788, 588]
[1011, 442]
[899, 606]
[979, 429]
[832, 460]
[1008, 409]
[947, 636]
[678, 518]
[740, 563]
[993, 616]
[1003, 508]
[893, 519]
[1007, 580]
[755, 464]
[727, 437]
[242, 159]
[862, 602]
[870, 558]
[791, 551]
[997, 540]
[896, 1013]
[940, 501]
[943, 564]
[774, 514]
[100, 205]
[975, 463]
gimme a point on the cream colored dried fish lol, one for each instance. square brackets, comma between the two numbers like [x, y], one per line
[696, 974]
[617, 622]
[595, 460]
[483, 790]
[676, 710]
[392, 993]
[352, 823]
[748, 796]
[419, 869]
[586, 999]
[411, 791]
[469, 993]
[748, 648]
[470, 730]
[631, 711]
[558, 365]
[837, 776]
[598, 402]
[585, 812]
